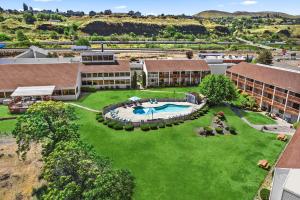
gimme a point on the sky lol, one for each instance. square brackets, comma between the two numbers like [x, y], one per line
[156, 7]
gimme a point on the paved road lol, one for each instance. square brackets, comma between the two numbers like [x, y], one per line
[256, 44]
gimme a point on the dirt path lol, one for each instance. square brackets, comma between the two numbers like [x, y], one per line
[83, 107]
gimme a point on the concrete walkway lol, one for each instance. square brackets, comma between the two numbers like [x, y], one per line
[83, 107]
[282, 127]
[157, 91]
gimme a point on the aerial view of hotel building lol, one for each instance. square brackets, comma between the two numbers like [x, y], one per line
[275, 89]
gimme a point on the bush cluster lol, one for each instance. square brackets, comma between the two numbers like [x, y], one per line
[219, 130]
[129, 127]
[88, 89]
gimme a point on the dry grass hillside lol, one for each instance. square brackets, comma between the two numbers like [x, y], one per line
[18, 178]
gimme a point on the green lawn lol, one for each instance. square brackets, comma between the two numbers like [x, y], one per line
[175, 163]
[258, 118]
[6, 125]
[103, 98]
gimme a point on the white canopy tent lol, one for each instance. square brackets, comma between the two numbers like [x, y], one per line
[33, 91]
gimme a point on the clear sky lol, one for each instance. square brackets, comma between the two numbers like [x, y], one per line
[189, 7]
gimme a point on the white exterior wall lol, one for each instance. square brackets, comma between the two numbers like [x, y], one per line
[218, 68]
[280, 175]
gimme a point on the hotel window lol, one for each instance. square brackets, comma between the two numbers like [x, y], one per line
[105, 74]
[7, 94]
[117, 74]
[122, 74]
[127, 81]
[95, 74]
[118, 82]
[83, 75]
[111, 74]
[68, 92]
[76, 90]
[89, 82]
[105, 57]
[100, 75]
[2, 95]
[127, 73]
[111, 57]
[57, 93]
[88, 75]
[98, 82]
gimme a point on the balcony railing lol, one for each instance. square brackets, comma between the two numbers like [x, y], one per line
[267, 100]
[278, 105]
[294, 99]
[280, 94]
[292, 110]
[258, 86]
[269, 90]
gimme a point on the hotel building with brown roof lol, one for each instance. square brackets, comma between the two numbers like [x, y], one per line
[276, 90]
[161, 73]
[286, 178]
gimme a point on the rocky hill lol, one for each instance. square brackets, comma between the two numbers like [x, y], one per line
[217, 13]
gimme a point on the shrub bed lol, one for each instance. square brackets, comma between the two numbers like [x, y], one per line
[129, 127]
[145, 127]
[264, 194]
[219, 130]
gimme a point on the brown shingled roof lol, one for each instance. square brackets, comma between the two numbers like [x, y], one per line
[278, 77]
[118, 66]
[21, 75]
[290, 158]
[176, 65]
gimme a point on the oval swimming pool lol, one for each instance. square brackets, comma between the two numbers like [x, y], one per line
[140, 110]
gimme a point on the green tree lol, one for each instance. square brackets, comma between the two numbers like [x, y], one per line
[74, 171]
[25, 7]
[217, 89]
[54, 35]
[134, 81]
[29, 18]
[92, 13]
[82, 42]
[4, 37]
[265, 57]
[189, 54]
[21, 37]
[48, 123]
[144, 79]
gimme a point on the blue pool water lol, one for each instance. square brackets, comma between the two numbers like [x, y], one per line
[140, 110]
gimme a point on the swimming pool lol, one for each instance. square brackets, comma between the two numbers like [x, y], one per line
[140, 110]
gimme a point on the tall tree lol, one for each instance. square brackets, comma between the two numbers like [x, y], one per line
[82, 42]
[189, 54]
[134, 81]
[92, 13]
[217, 89]
[29, 18]
[144, 82]
[46, 122]
[265, 57]
[73, 171]
[21, 37]
[25, 7]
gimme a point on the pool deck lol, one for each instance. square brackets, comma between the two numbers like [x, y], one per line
[127, 113]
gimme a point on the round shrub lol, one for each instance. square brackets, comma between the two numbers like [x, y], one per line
[111, 124]
[176, 122]
[118, 126]
[232, 130]
[264, 194]
[162, 125]
[145, 127]
[169, 124]
[100, 119]
[129, 127]
[208, 130]
[105, 122]
[219, 130]
[181, 121]
[153, 126]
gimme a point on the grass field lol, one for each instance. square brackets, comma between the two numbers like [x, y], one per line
[258, 118]
[6, 125]
[175, 163]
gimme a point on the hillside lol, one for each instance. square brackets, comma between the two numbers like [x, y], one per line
[217, 13]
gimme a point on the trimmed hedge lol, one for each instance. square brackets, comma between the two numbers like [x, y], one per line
[118, 126]
[153, 126]
[208, 129]
[264, 194]
[145, 127]
[232, 130]
[129, 127]
[162, 125]
[88, 89]
[219, 130]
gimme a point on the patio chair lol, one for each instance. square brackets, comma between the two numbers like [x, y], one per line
[155, 101]
[151, 101]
